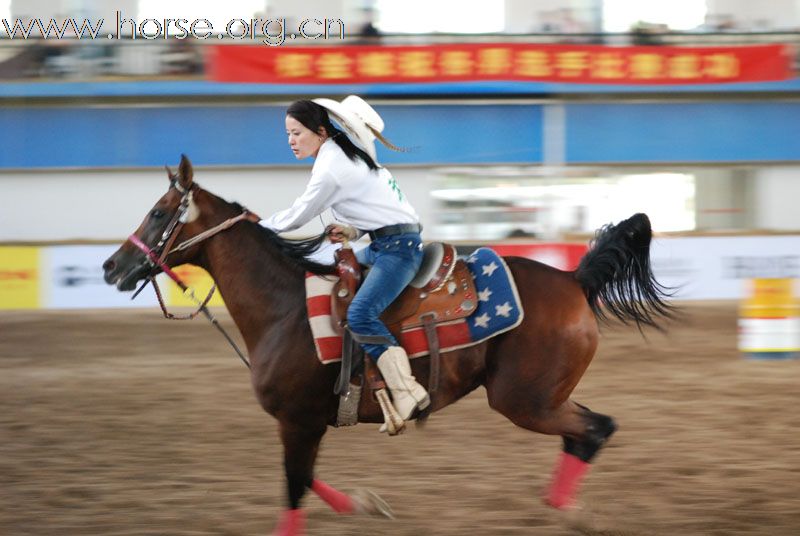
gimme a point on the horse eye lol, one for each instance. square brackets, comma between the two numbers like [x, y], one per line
[155, 213]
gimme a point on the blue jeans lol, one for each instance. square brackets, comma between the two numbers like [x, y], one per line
[395, 261]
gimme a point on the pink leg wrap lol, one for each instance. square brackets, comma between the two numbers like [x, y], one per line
[292, 523]
[340, 502]
[566, 479]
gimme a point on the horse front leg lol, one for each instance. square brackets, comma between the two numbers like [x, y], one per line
[300, 448]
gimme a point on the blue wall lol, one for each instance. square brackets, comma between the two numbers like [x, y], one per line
[75, 136]
[683, 132]
[217, 134]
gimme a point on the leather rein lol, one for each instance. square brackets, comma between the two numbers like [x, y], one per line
[155, 258]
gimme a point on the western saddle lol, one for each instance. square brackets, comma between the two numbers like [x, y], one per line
[443, 290]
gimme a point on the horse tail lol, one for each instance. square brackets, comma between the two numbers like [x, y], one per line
[617, 278]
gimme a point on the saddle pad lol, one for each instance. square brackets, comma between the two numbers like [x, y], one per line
[499, 310]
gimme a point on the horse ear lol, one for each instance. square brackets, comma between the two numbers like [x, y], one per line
[185, 172]
[170, 174]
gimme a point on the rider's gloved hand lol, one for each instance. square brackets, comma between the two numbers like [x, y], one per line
[339, 232]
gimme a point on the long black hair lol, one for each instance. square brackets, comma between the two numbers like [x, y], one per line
[312, 116]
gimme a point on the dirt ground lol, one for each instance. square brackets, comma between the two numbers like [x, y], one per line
[122, 423]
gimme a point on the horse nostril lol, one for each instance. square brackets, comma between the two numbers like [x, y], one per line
[109, 265]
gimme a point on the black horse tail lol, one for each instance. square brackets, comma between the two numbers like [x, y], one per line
[617, 278]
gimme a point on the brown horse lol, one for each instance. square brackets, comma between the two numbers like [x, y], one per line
[528, 372]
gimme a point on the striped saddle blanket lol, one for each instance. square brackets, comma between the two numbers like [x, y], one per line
[499, 310]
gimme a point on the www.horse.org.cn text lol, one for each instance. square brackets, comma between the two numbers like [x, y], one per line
[271, 32]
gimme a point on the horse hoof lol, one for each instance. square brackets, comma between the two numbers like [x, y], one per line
[578, 517]
[563, 505]
[370, 503]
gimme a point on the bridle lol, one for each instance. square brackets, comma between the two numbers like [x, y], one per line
[155, 258]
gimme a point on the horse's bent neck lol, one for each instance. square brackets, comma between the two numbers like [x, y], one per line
[258, 284]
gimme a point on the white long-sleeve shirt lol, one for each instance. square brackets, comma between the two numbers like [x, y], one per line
[358, 196]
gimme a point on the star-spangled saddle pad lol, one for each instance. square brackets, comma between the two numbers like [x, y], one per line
[499, 310]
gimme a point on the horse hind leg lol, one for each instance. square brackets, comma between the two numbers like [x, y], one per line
[585, 432]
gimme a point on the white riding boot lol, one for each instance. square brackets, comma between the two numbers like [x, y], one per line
[407, 394]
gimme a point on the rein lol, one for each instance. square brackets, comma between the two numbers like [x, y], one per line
[208, 233]
[157, 261]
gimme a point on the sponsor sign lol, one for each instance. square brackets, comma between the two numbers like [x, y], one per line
[719, 268]
[19, 277]
[196, 279]
[74, 279]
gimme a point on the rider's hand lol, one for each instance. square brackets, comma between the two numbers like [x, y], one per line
[339, 232]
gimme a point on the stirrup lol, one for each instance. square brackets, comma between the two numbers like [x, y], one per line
[392, 413]
[393, 423]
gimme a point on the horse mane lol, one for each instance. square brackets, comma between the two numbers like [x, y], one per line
[297, 250]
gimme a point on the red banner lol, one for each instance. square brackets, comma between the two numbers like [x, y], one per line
[564, 256]
[550, 63]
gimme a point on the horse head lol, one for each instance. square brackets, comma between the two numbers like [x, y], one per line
[173, 218]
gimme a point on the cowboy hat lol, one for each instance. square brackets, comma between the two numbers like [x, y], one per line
[361, 122]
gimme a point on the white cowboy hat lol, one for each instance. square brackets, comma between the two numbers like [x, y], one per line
[358, 119]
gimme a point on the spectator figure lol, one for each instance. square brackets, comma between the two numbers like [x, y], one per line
[182, 58]
[368, 33]
[647, 34]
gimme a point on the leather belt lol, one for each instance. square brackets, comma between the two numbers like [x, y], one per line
[400, 228]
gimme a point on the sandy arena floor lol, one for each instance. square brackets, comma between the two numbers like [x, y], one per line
[120, 423]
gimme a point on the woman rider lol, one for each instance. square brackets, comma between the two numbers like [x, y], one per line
[364, 197]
